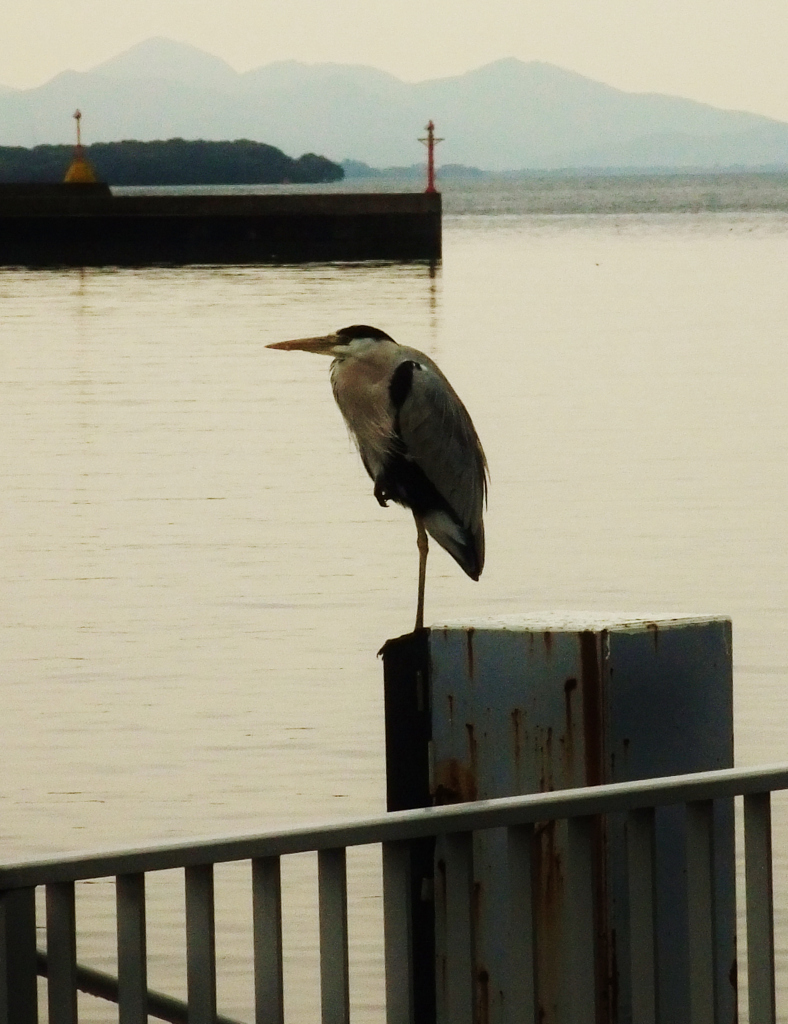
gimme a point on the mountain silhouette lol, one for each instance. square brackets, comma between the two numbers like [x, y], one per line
[506, 115]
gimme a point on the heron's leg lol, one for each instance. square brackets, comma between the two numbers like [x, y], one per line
[423, 546]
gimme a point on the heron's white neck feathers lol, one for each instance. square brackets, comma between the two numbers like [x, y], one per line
[360, 381]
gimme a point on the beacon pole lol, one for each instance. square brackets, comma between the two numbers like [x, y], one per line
[430, 142]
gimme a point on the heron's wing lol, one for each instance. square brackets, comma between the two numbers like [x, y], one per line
[439, 436]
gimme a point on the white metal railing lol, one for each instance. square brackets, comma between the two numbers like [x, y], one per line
[20, 962]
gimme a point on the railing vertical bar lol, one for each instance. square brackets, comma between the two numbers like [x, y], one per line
[521, 954]
[334, 970]
[200, 944]
[132, 949]
[700, 909]
[267, 921]
[458, 847]
[18, 971]
[642, 916]
[581, 953]
[61, 953]
[398, 933]
[760, 907]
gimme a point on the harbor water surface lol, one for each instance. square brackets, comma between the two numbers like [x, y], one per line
[196, 577]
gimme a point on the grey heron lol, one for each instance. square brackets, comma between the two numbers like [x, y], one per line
[415, 438]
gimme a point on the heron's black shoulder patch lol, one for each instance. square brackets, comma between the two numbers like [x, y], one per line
[401, 382]
[364, 331]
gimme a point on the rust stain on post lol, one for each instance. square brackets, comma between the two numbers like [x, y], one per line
[469, 651]
[455, 783]
[544, 757]
[473, 750]
[482, 996]
[549, 899]
[570, 686]
[517, 725]
[518, 739]
[591, 686]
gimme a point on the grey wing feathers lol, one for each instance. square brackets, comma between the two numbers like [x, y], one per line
[440, 438]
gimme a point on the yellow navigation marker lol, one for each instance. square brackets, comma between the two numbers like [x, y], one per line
[80, 172]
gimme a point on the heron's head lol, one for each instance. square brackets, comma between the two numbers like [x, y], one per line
[347, 341]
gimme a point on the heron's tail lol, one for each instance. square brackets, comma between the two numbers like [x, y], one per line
[465, 546]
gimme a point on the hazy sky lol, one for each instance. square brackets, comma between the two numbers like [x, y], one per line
[732, 53]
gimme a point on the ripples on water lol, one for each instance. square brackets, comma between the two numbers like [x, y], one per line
[196, 578]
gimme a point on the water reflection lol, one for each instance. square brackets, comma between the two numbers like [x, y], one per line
[196, 578]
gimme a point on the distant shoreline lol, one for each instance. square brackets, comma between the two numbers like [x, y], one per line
[355, 169]
[551, 194]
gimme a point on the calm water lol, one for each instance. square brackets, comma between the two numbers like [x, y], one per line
[196, 577]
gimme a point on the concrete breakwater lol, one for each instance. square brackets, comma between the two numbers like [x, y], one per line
[86, 225]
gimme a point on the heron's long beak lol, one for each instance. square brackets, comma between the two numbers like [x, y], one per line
[323, 346]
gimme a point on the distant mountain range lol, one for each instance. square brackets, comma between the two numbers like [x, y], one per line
[505, 115]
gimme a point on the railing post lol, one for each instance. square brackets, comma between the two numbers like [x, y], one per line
[521, 975]
[132, 949]
[267, 921]
[581, 954]
[760, 907]
[642, 915]
[18, 974]
[700, 904]
[200, 945]
[458, 855]
[61, 953]
[334, 976]
[398, 933]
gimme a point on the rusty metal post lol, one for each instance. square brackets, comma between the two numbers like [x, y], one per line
[526, 705]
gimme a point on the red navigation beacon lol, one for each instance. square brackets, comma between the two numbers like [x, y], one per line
[430, 143]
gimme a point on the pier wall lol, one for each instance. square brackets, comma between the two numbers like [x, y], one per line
[89, 226]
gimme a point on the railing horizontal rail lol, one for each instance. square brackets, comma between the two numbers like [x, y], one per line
[105, 986]
[401, 825]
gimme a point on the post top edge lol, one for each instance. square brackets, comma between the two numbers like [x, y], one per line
[580, 622]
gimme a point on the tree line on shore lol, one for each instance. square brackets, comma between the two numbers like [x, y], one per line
[171, 162]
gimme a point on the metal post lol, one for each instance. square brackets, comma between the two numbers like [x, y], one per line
[267, 918]
[642, 916]
[398, 933]
[200, 944]
[523, 705]
[457, 850]
[61, 953]
[18, 984]
[581, 995]
[132, 949]
[700, 896]
[760, 907]
[521, 974]
[334, 973]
